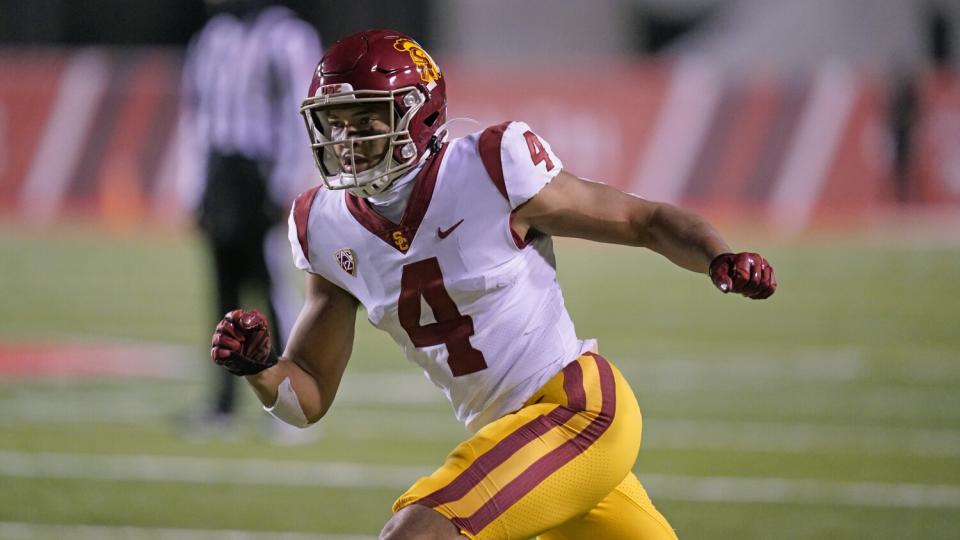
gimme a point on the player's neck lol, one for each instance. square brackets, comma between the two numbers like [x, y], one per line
[392, 202]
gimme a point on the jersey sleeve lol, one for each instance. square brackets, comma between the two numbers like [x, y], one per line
[518, 161]
[299, 229]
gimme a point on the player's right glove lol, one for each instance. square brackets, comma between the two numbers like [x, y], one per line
[241, 343]
[748, 274]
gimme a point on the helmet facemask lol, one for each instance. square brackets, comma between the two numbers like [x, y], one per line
[382, 154]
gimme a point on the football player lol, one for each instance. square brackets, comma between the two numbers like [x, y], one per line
[447, 244]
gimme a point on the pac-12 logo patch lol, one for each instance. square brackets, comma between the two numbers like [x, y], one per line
[347, 260]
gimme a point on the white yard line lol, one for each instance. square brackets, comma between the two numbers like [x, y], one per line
[366, 423]
[145, 468]
[833, 365]
[799, 437]
[688, 434]
[37, 410]
[15, 530]
[837, 364]
[801, 491]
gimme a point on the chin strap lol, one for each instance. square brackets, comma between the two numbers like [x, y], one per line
[434, 144]
[436, 141]
[443, 127]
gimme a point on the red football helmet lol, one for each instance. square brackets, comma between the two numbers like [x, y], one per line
[378, 68]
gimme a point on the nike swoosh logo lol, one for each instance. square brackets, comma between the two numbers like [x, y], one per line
[443, 234]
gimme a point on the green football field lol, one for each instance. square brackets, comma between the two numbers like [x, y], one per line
[830, 411]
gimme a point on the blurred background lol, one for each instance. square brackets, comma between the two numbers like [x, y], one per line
[824, 134]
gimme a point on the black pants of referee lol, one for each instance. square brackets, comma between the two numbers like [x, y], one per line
[235, 216]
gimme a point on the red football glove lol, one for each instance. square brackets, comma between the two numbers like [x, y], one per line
[748, 274]
[241, 343]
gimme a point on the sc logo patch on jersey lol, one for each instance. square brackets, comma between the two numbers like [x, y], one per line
[401, 241]
[347, 260]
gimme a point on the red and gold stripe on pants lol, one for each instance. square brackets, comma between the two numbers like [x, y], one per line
[519, 461]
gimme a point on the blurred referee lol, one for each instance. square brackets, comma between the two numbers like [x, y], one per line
[245, 74]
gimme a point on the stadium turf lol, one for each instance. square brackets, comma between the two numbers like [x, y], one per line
[830, 411]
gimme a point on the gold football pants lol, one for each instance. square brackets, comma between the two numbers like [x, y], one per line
[557, 469]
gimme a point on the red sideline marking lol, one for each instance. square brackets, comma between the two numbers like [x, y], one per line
[95, 359]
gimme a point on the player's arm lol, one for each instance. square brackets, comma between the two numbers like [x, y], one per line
[299, 386]
[571, 206]
[317, 351]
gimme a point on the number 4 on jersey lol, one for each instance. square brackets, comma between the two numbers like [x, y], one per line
[537, 152]
[423, 279]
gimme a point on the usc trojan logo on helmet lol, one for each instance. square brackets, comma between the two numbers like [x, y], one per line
[429, 71]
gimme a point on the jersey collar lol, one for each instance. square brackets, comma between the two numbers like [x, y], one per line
[400, 235]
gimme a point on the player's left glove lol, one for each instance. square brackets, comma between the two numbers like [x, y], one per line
[241, 343]
[748, 274]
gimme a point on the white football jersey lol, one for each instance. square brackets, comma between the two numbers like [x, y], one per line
[477, 308]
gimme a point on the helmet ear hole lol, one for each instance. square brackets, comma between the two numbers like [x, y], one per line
[430, 120]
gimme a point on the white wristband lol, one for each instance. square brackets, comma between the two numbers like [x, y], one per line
[287, 407]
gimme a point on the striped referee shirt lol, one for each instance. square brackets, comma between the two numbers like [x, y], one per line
[243, 82]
